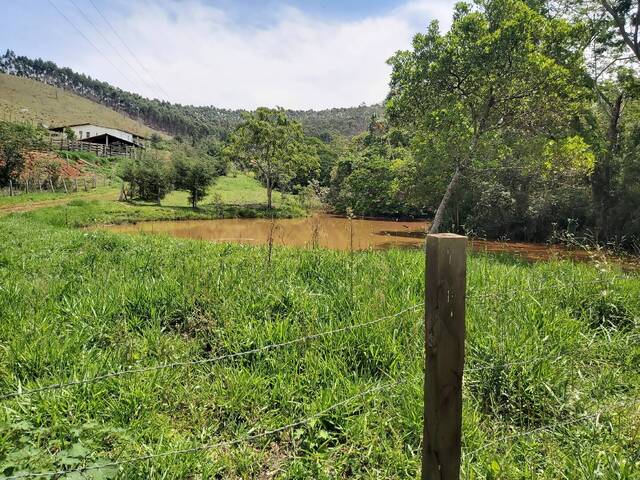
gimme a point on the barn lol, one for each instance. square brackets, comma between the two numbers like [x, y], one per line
[100, 134]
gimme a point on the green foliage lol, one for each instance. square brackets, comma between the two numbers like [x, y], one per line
[149, 177]
[271, 145]
[16, 139]
[502, 68]
[194, 173]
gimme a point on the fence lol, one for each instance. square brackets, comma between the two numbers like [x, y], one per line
[100, 150]
[444, 320]
[53, 185]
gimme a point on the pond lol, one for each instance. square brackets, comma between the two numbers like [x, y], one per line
[334, 232]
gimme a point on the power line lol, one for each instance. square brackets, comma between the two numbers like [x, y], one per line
[98, 378]
[135, 57]
[210, 446]
[90, 42]
[88, 19]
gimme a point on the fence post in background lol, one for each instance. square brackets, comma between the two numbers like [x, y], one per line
[51, 185]
[75, 185]
[26, 186]
[444, 348]
[64, 184]
[10, 188]
[84, 181]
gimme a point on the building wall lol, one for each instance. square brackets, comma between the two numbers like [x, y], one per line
[86, 131]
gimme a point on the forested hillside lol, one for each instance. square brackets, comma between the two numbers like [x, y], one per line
[174, 118]
[26, 100]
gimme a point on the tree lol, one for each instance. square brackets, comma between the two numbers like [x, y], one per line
[625, 15]
[612, 50]
[16, 139]
[150, 177]
[503, 67]
[273, 146]
[194, 172]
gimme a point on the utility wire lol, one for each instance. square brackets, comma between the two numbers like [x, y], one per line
[133, 55]
[210, 446]
[91, 43]
[115, 50]
[204, 361]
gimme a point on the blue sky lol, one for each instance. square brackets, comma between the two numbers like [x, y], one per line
[228, 53]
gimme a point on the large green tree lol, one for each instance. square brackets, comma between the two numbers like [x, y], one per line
[273, 146]
[503, 67]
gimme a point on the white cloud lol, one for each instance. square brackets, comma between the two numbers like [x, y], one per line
[201, 56]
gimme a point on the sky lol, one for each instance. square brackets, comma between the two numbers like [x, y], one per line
[228, 53]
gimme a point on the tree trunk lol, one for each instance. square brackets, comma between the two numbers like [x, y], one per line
[602, 174]
[269, 193]
[437, 220]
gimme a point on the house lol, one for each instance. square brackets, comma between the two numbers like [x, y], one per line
[99, 134]
[101, 140]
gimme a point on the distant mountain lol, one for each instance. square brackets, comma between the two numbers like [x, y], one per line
[174, 118]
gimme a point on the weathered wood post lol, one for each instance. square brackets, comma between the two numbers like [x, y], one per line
[10, 188]
[444, 347]
[26, 186]
[51, 185]
[64, 184]
[84, 181]
[75, 185]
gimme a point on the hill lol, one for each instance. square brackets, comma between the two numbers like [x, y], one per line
[196, 121]
[23, 99]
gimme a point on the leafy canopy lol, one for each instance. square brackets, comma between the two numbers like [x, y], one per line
[273, 146]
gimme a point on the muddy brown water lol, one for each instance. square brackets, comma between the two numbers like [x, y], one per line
[337, 233]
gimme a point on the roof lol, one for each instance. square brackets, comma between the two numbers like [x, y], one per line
[62, 127]
[112, 139]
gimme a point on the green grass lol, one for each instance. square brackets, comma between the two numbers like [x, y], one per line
[548, 344]
[27, 198]
[231, 197]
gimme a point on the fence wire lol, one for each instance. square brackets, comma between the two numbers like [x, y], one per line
[210, 446]
[153, 368]
[543, 428]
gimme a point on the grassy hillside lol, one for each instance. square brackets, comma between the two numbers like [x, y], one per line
[23, 99]
[551, 383]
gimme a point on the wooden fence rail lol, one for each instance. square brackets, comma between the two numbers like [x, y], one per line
[99, 149]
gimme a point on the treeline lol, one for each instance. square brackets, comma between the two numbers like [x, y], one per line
[173, 118]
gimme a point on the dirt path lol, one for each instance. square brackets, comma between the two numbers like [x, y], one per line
[35, 205]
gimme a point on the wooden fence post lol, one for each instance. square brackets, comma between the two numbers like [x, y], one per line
[444, 348]
[84, 181]
[64, 184]
[10, 188]
[26, 186]
[51, 185]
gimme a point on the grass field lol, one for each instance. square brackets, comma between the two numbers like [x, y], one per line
[230, 197]
[552, 377]
[23, 99]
